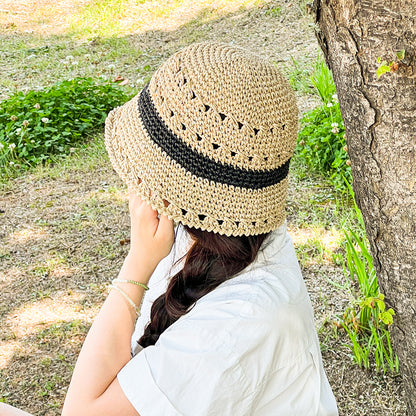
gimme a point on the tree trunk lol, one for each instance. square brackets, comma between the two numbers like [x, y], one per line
[380, 122]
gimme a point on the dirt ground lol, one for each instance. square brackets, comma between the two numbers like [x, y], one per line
[62, 229]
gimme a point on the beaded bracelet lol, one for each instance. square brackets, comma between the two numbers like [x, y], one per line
[133, 282]
[127, 297]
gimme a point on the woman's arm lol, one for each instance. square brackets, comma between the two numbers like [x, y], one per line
[94, 389]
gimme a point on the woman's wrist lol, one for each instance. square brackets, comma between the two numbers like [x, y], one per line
[137, 268]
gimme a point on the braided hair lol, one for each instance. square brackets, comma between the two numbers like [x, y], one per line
[212, 259]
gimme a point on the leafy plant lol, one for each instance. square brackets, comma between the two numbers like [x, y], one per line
[39, 124]
[321, 143]
[366, 320]
[322, 146]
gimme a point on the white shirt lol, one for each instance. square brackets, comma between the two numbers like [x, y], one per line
[249, 347]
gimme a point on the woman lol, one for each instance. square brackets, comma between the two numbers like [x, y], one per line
[227, 325]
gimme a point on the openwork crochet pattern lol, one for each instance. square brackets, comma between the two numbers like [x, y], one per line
[208, 141]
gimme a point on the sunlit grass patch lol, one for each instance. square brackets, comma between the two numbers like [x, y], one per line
[101, 18]
[40, 16]
[8, 348]
[43, 61]
[52, 318]
[26, 235]
[50, 352]
[32, 317]
[110, 17]
[106, 18]
[316, 245]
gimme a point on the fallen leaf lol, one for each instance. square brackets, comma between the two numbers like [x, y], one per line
[119, 78]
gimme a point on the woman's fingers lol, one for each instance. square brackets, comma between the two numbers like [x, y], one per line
[151, 236]
[165, 230]
[134, 201]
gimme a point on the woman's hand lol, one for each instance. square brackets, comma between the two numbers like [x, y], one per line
[151, 237]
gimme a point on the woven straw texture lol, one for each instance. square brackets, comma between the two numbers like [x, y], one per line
[209, 140]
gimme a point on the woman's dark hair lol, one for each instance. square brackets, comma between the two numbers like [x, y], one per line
[211, 260]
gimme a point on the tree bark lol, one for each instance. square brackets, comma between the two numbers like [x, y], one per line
[379, 114]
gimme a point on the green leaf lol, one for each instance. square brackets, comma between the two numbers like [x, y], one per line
[383, 68]
[386, 318]
[381, 305]
[400, 54]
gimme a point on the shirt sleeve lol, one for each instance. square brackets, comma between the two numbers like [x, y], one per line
[191, 370]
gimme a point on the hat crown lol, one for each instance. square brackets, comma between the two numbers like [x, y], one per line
[228, 105]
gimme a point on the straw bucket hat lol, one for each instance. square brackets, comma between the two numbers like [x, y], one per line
[209, 140]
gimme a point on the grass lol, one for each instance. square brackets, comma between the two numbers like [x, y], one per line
[99, 18]
[366, 320]
[87, 157]
[67, 58]
[298, 73]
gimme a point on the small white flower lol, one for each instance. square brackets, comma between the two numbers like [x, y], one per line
[45, 120]
[335, 97]
[25, 123]
[334, 125]
[37, 106]
[87, 56]
[75, 63]
[111, 66]
[32, 141]
[330, 105]
[1, 146]
[11, 163]
[335, 130]
[12, 146]
[69, 58]
[18, 131]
